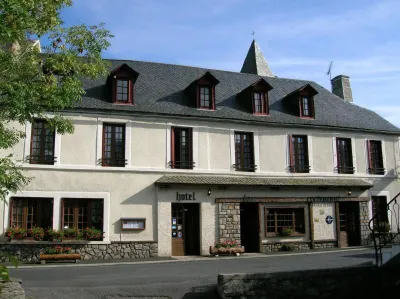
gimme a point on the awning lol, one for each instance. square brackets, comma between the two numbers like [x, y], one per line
[263, 181]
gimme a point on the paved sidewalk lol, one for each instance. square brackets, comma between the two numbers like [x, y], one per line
[178, 259]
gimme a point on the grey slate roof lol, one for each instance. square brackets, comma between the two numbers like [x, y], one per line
[258, 181]
[255, 62]
[159, 90]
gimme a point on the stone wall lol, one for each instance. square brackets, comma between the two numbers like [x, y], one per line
[357, 282]
[229, 222]
[277, 246]
[29, 252]
[11, 290]
[364, 219]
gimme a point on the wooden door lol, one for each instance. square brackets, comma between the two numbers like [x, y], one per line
[349, 224]
[177, 222]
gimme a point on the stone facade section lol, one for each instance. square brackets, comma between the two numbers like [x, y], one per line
[29, 252]
[279, 246]
[11, 290]
[366, 237]
[229, 222]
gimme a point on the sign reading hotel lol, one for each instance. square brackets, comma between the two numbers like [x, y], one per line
[185, 196]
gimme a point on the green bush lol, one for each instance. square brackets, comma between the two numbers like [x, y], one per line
[286, 231]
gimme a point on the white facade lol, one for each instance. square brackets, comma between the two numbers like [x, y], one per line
[130, 191]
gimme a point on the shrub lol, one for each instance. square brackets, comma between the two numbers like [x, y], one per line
[57, 250]
[37, 233]
[53, 234]
[287, 247]
[227, 244]
[382, 227]
[70, 233]
[286, 231]
[92, 234]
[13, 232]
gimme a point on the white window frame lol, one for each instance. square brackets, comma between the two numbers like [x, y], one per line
[57, 197]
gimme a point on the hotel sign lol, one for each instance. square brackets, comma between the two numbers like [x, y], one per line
[323, 199]
[185, 196]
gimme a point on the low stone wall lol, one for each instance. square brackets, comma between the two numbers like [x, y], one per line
[277, 246]
[357, 282]
[11, 290]
[29, 252]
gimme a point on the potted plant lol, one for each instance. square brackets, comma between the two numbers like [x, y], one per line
[36, 233]
[58, 253]
[92, 234]
[70, 234]
[15, 233]
[54, 235]
[382, 227]
[227, 247]
[286, 231]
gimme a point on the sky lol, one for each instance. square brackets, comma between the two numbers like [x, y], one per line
[298, 38]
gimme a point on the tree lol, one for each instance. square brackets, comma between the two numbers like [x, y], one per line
[34, 84]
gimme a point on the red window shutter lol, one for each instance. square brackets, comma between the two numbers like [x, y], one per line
[172, 148]
[291, 150]
[190, 144]
[301, 106]
[266, 103]
[253, 106]
[370, 158]
[212, 97]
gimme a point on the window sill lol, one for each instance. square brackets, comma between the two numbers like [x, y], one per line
[123, 103]
[205, 109]
[261, 114]
[280, 236]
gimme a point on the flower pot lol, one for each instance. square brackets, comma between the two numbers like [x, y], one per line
[226, 250]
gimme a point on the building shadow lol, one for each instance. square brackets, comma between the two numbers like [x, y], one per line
[202, 292]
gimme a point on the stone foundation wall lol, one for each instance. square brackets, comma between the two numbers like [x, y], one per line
[229, 222]
[364, 219]
[11, 290]
[29, 252]
[277, 246]
[356, 282]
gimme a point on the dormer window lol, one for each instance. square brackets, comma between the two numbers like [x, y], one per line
[300, 102]
[205, 97]
[122, 92]
[306, 107]
[260, 103]
[201, 92]
[254, 98]
[122, 81]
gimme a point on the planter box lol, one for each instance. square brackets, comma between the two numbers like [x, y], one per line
[222, 250]
[60, 257]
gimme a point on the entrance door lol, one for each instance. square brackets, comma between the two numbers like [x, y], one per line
[249, 227]
[185, 229]
[349, 219]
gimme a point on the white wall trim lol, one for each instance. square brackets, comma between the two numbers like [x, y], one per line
[366, 159]
[287, 152]
[232, 148]
[27, 143]
[256, 145]
[57, 196]
[128, 143]
[334, 158]
[195, 147]
[383, 143]
[310, 152]
[168, 149]
[353, 154]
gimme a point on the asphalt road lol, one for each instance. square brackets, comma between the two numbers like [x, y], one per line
[179, 280]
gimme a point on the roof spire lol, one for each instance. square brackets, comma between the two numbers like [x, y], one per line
[255, 62]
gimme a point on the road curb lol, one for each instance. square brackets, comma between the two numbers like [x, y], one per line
[190, 259]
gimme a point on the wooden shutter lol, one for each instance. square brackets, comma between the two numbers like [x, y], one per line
[253, 106]
[338, 154]
[172, 147]
[301, 106]
[266, 102]
[212, 97]
[190, 133]
[291, 150]
[103, 163]
[370, 157]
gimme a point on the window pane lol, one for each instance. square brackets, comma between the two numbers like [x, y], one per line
[113, 145]
[205, 97]
[182, 148]
[122, 90]
[42, 145]
[344, 155]
[278, 219]
[244, 152]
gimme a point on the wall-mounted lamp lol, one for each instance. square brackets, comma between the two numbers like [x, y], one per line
[349, 192]
[209, 192]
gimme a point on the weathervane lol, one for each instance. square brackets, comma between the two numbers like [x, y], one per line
[329, 72]
[253, 34]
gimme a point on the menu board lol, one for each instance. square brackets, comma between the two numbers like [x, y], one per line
[133, 223]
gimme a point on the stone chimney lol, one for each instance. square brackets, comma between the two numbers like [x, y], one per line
[341, 87]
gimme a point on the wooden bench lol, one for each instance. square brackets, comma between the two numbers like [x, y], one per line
[60, 257]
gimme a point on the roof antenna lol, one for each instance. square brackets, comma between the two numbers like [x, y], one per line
[329, 72]
[253, 34]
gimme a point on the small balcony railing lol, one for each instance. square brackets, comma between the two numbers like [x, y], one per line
[245, 167]
[300, 168]
[345, 169]
[181, 164]
[380, 171]
[37, 159]
[112, 162]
